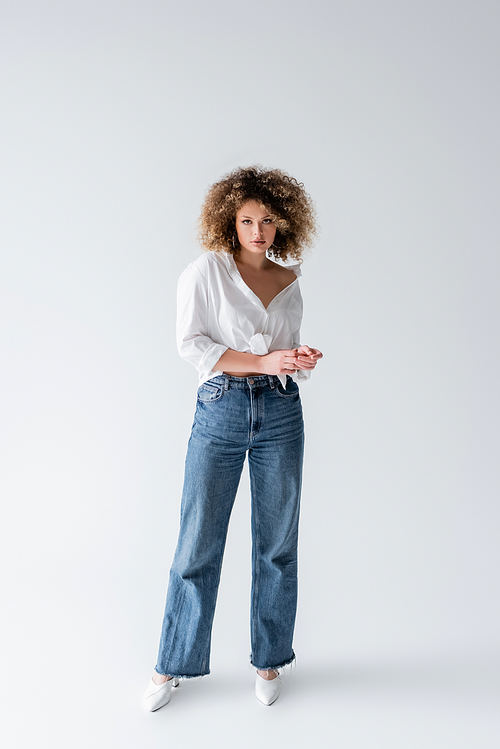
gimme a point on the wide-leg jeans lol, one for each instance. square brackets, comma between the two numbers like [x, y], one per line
[236, 416]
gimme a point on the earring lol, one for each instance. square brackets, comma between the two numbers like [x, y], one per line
[276, 251]
[234, 246]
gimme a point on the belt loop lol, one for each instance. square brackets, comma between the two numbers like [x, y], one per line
[226, 384]
[271, 381]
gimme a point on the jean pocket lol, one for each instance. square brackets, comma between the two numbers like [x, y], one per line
[210, 392]
[291, 392]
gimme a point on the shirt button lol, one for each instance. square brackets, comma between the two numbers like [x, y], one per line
[251, 382]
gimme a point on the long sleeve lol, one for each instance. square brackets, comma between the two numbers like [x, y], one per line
[193, 343]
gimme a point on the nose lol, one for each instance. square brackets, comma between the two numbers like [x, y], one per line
[258, 230]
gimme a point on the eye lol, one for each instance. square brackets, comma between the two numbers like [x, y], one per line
[246, 221]
[267, 221]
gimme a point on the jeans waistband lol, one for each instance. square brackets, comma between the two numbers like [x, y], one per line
[229, 381]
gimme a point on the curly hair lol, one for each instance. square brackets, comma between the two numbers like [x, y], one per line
[290, 207]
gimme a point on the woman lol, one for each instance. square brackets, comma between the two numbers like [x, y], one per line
[239, 315]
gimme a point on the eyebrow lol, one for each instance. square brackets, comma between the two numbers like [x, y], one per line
[266, 216]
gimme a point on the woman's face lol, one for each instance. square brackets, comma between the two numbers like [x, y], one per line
[254, 227]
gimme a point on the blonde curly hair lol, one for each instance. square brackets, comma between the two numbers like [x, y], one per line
[290, 207]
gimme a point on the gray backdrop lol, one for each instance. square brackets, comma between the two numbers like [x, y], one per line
[116, 117]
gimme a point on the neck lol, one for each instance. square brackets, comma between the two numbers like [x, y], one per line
[253, 260]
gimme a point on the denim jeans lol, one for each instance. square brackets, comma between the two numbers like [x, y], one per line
[235, 416]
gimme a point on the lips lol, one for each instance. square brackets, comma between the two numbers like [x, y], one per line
[257, 241]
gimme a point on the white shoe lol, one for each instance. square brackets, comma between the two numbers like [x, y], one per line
[158, 695]
[267, 691]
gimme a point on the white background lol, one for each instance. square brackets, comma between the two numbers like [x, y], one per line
[116, 116]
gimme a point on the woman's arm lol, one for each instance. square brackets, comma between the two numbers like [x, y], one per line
[283, 361]
[192, 303]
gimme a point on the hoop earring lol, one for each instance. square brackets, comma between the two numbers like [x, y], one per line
[234, 246]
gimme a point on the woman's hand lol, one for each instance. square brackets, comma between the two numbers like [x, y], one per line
[307, 357]
[279, 362]
[286, 361]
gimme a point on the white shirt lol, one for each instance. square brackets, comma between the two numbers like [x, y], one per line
[216, 310]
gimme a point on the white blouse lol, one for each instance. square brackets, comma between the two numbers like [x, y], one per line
[216, 310]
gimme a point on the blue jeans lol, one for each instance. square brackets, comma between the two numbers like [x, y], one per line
[236, 415]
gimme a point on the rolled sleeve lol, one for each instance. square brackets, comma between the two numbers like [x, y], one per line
[193, 343]
[300, 375]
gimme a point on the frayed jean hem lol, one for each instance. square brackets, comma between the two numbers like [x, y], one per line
[183, 676]
[273, 668]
